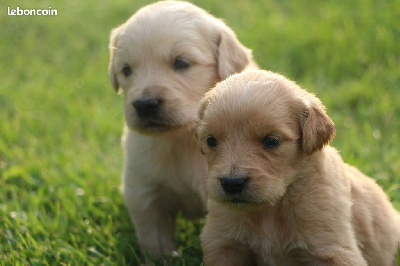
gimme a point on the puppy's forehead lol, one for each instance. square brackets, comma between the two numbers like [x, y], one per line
[168, 25]
[253, 102]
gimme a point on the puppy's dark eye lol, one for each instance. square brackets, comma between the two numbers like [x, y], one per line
[212, 142]
[270, 142]
[180, 64]
[127, 70]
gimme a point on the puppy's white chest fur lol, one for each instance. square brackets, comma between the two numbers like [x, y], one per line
[164, 168]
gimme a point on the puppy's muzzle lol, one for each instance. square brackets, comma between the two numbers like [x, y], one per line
[147, 107]
[233, 185]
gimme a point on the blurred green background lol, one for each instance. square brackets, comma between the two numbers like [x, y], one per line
[60, 120]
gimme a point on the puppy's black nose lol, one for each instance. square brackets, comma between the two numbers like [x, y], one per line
[147, 106]
[233, 185]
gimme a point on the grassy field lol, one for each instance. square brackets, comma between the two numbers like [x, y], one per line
[60, 121]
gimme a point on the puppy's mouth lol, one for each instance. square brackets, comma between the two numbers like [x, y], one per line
[241, 204]
[152, 125]
[234, 200]
[157, 127]
[239, 201]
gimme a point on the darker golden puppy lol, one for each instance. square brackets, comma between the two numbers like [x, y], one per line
[278, 194]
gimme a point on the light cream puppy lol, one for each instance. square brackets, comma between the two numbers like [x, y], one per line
[164, 58]
[279, 195]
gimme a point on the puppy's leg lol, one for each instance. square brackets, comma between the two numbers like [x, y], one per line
[339, 249]
[340, 257]
[219, 251]
[228, 254]
[154, 222]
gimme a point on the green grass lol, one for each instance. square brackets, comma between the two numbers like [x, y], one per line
[60, 157]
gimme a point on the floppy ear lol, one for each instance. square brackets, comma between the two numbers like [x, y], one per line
[113, 47]
[317, 127]
[232, 56]
[202, 107]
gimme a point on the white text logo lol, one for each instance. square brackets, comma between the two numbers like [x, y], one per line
[31, 11]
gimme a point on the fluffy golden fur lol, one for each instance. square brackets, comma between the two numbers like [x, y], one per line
[164, 58]
[278, 193]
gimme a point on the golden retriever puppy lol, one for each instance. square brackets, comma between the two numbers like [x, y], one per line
[164, 58]
[278, 194]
